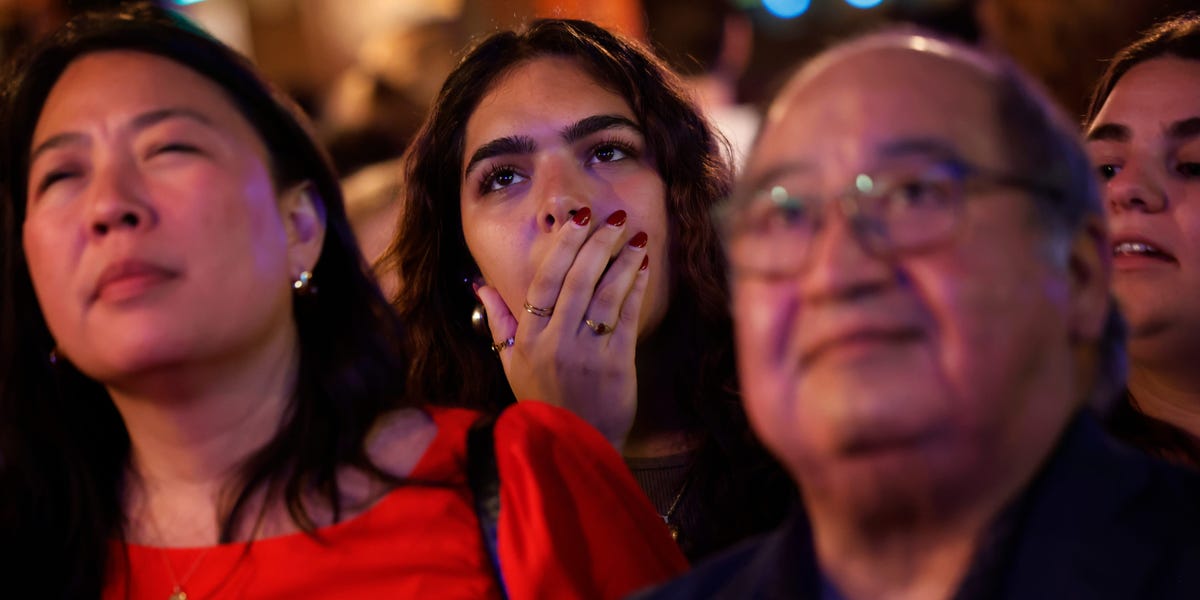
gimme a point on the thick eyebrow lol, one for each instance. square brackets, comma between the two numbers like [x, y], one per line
[585, 127]
[1109, 132]
[525, 145]
[142, 121]
[1184, 129]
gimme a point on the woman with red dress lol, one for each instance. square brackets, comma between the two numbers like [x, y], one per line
[562, 187]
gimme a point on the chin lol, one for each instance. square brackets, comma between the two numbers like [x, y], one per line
[880, 477]
[128, 358]
[865, 409]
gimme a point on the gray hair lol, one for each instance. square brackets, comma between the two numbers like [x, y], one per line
[1041, 141]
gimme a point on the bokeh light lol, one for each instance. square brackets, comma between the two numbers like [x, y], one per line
[786, 9]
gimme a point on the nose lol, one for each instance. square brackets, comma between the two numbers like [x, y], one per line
[840, 268]
[1134, 189]
[117, 201]
[562, 189]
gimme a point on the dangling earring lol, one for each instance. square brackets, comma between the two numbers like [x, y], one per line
[53, 356]
[479, 320]
[303, 284]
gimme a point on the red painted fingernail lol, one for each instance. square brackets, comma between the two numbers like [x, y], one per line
[616, 219]
[639, 240]
[582, 217]
[645, 263]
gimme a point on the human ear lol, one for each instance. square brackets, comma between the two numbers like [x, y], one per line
[303, 213]
[1089, 267]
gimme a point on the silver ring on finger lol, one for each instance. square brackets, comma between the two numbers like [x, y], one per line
[538, 311]
[502, 344]
[599, 327]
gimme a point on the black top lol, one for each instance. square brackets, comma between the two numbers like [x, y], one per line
[1158, 438]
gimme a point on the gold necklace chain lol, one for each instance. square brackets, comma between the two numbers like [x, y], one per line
[177, 584]
[178, 593]
[666, 517]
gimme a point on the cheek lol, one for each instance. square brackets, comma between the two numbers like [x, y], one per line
[231, 234]
[505, 256]
[644, 198]
[967, 314]
[990, 330]
[767, 370]
[1188, 218]
[48, 255]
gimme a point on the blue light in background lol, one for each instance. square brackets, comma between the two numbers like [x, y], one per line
[187, 2]
[864, 3]
[786, 9]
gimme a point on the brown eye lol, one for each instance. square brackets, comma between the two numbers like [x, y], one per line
[610, 152]
[499, 178]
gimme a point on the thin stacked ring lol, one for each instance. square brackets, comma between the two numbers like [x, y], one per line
[538, 311]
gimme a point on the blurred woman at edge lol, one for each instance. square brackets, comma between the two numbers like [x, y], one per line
[1143, 134]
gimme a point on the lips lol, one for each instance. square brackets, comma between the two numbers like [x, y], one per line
[127, 279]
[858, 337]
[1140, 248]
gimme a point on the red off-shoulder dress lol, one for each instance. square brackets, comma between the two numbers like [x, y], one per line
[573, 524]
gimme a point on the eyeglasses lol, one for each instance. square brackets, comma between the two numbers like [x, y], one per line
[905, 207]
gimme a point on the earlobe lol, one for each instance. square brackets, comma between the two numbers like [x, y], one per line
[1090, 272]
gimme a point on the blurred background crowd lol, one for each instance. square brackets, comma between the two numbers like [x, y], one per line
[367, 70]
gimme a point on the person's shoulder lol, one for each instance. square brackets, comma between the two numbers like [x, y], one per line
[401, 438]
[1166, 491]
[1107, 521]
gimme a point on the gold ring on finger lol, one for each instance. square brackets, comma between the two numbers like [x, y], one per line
[538, 311]
[600, 327]
[502, 344]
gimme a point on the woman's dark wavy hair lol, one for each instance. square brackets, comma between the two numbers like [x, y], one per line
[64, 449]
[1177, 36]
[450, 363]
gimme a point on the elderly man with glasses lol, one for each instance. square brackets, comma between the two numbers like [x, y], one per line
[920, 288]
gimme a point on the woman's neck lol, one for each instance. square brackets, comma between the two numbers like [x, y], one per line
[191, 427]
[1169, 396]
[658, 427]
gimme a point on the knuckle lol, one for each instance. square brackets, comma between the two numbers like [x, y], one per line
[606, 297]
[576, 285]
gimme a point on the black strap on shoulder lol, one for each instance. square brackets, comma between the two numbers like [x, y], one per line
[484, 479]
